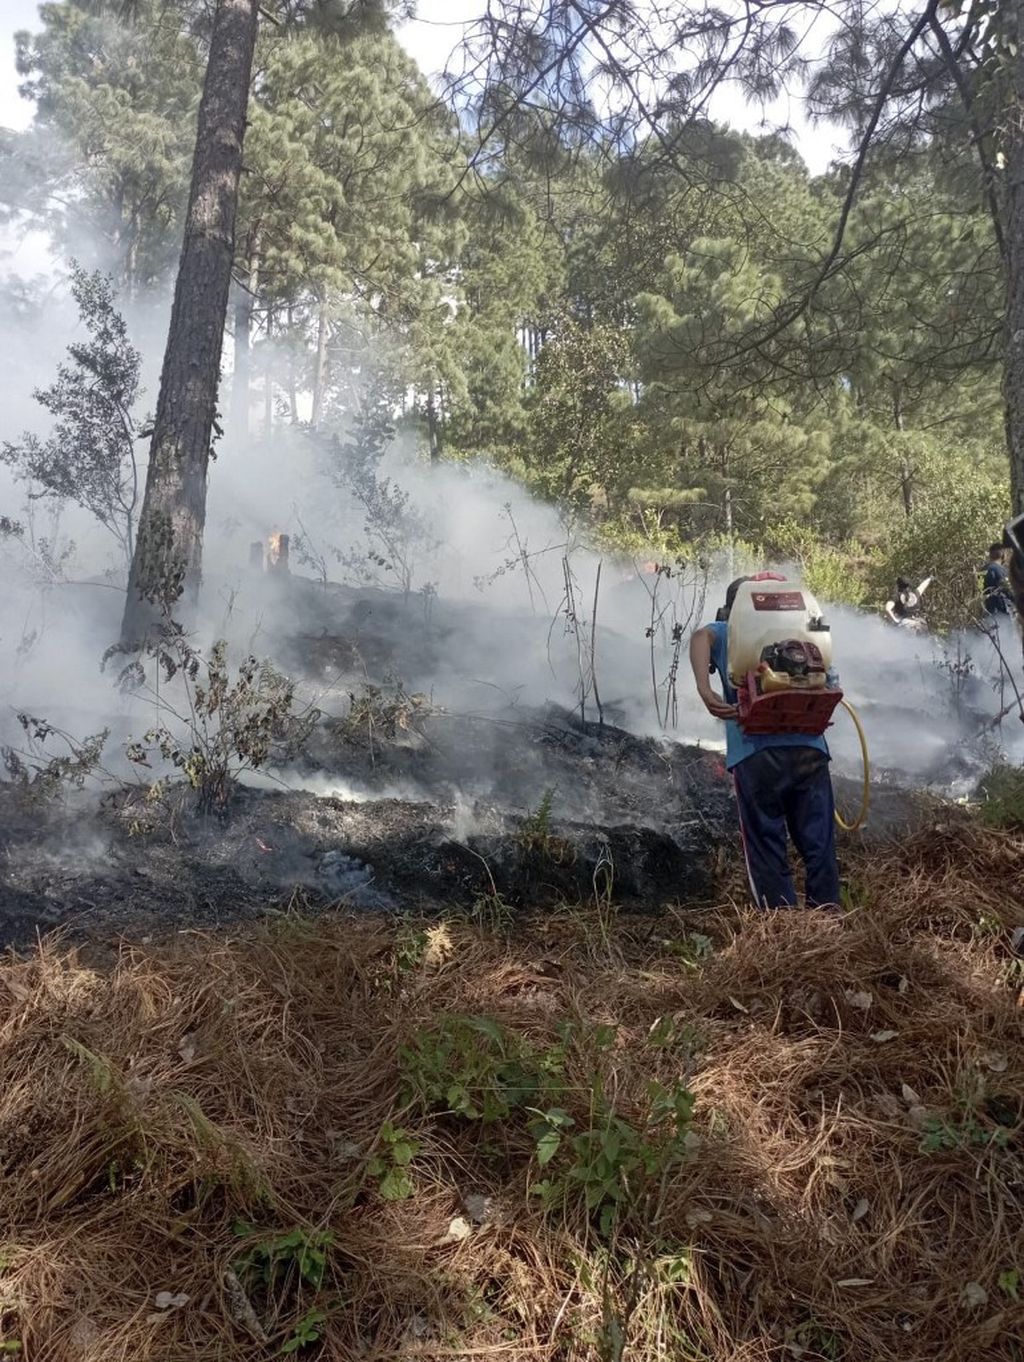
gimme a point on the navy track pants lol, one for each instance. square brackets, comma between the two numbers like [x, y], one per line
[780, 789]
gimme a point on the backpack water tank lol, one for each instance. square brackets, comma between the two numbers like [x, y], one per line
[770, 612]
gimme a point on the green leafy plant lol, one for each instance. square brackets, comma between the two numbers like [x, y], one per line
[89, 456]
[967, 1133]
[815, 1340]
[1000, 794]
[613, 1159]
[668, 1033]
[308, 1330]
[536, 835]
[1009, 1284]
[299, 1254]
[691, 949]
[537, 825]
[470, 1066]
[410, 948]
[390, 1166]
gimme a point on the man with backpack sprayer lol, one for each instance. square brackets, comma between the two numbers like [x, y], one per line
[772, 652]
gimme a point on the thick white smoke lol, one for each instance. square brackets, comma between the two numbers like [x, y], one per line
[485, 626]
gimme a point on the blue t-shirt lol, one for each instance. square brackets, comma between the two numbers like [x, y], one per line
[739, 745]
[996, 589]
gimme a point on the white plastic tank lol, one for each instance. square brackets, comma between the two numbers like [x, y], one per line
[768, 612]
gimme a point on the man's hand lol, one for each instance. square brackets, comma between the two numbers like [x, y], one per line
[700, 660]
[716, 706]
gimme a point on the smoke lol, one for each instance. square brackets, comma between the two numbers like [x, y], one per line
[473, 594]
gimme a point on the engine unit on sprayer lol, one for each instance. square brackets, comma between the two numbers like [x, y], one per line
[780, 658]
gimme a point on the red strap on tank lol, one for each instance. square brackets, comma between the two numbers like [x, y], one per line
[768, 577]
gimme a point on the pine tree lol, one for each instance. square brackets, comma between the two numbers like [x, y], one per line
[168, 549]
[106, 158]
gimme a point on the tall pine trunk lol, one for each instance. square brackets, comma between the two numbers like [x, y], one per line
[320, 363]
[168, 550]
[1013, 376]
[268, 386]
[433, 426]
[906, 472]
[241, 383]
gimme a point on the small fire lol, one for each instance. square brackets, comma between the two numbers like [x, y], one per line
[277, 556]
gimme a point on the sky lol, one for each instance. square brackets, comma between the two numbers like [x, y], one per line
[430, 38]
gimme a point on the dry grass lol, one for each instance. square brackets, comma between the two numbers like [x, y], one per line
[856, 1190]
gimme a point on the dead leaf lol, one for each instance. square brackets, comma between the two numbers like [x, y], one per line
[856, 1281]
[168, 1300]
[342, 1148]
[439, 945]
[903, 985]
[187, 1048]
[919, 1116]
[997, 1063]
[973, 1296]
[861, 1209]
[859, 1000]
[910, 1096]
[739, 1007]
[85, 1336]
[880, 1037]
[18, 990]
[458, 1230]
[139, 1085]
[695, 1218]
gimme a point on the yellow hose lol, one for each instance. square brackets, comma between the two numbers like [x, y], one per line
[862, 816]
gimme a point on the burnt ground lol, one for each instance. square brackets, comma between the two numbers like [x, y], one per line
[397, 804]
[551, 810]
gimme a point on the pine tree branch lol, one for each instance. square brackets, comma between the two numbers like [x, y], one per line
[833, 262]
[977, 132]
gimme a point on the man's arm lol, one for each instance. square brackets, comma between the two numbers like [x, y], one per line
[700, 661]
[890, 610]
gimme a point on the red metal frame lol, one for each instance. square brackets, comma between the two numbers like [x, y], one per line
[785, 711]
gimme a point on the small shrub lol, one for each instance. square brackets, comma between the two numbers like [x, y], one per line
[536, 837]
[226, 724]
[391, 1165]
[89, 456]
[298, 1256]
[613, 1160]
[469, 1066]
[308, 1330]
[39, 775]
[537, 825]
[381, 712]
[1001, 796]
[966, 1133]
[836, 573]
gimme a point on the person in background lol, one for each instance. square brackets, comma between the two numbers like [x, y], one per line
[904, 606]
[782, 785]
[995, 590]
